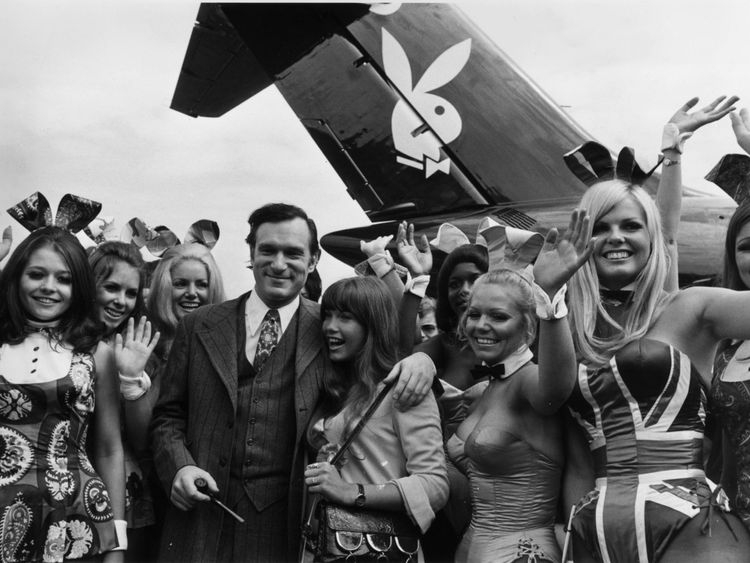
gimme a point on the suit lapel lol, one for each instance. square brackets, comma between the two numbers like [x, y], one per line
[219, 338]
[308, 374]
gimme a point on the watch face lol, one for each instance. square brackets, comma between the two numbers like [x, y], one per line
[359, 502]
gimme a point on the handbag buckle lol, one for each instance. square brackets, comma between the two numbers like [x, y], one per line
[349, 542]
[379, 543]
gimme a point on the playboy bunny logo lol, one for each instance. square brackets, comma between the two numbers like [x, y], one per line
[420, 141]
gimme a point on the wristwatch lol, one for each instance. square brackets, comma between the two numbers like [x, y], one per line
[359, 502]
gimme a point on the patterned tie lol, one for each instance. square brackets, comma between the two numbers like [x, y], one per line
[270, 329]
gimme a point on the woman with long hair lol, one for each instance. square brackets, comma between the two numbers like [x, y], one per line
[58, 382]
[641, 398]
[396, 462]
[119, 277]
[729, 397]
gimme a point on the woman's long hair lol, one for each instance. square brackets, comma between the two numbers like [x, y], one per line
[368, 300]
[160, 307]
[731, 277]
[649, 296]
[105, 257]
[78, 326]
[446, 318]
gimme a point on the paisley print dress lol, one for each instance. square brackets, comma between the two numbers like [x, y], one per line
[53, 505]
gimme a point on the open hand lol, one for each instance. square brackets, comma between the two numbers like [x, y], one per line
[375, 246]
[6, 242]
[134, 348]
[561, 256]
[689, 122]
[416, 256]
[741, 128]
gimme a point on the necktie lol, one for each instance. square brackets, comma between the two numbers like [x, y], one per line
[270, 329]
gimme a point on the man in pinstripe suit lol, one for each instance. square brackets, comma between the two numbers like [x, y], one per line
[239, 428]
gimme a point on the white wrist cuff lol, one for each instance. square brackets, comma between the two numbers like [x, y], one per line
[121, 531]
[132, 388]
[672, 139]
[549, 309]
[417, 286]
[381, 263]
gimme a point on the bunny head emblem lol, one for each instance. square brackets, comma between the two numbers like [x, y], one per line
[419, 135]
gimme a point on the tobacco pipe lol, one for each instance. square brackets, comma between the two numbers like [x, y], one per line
[202, 486]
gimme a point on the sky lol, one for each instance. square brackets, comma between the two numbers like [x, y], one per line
[85, 88]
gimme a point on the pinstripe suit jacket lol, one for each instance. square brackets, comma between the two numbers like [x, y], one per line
[194, 416]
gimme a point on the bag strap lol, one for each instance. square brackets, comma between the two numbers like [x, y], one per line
[361, 424]
[307, 525]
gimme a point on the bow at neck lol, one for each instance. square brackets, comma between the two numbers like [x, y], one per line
[506, 368]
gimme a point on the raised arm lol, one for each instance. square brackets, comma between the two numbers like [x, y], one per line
[417, 257]
[741, 128]
[558, 260]
[6, 242]
[381, 262]
[678, 129]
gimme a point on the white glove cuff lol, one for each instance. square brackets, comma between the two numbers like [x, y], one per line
[381, 263]
[672, 139]
[132, 388]
[549, 309]
[121, 531]
[417, 286]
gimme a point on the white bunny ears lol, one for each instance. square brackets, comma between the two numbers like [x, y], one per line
[507, 247]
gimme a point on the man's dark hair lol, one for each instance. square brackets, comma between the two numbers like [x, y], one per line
[278, 213]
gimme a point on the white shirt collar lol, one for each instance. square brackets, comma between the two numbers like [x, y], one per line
[255, 310]
[515, 361]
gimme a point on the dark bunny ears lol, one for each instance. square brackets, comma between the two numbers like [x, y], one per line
[73, 212]
[160, 239]
[592, 162]
[732, 174]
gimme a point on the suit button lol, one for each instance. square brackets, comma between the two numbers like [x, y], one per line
[222, 461]
[230, 424]
[248, 462]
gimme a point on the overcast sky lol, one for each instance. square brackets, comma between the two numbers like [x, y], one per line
[85, 89]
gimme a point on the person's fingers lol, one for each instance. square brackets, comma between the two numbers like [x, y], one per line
[154, 342]
[550, 239]
[745, 117]
[118, 342]
[710, 107]
[689, 104]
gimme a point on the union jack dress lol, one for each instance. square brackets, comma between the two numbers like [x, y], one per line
[644, 417]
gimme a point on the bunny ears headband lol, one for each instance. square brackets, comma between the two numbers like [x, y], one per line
[732, 174]
[507, 247]
[73, 212]
[592, 162]
[160, 239]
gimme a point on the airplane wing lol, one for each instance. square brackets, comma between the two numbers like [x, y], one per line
[416, 109]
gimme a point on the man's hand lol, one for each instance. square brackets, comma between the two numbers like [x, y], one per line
[184, 493]
[415, 374]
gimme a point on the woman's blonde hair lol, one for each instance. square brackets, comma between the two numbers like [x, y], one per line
[160, 306]
[649, 296]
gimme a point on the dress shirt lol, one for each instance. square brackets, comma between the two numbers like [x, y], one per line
[255, 311]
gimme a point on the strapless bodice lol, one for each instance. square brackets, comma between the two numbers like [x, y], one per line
[513, 486]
